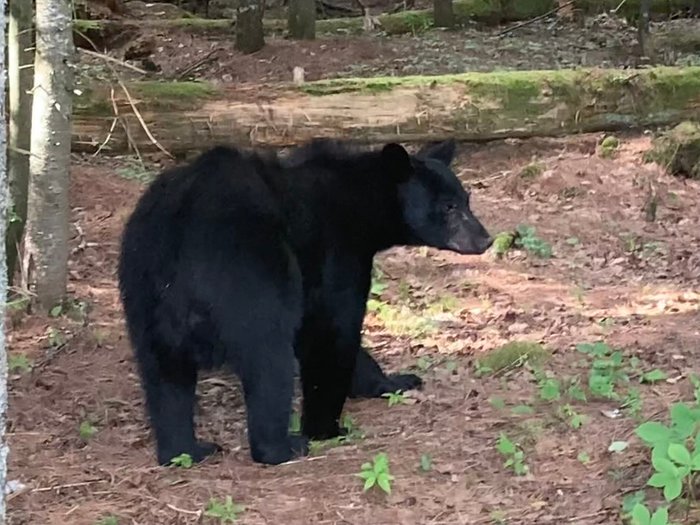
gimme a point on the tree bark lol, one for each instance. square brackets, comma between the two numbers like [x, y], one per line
[643, 34]
[301, 18]
[20, 69]
[443, 14]
[46, 240]
[249, 26]
[4, 208]
[470, 106]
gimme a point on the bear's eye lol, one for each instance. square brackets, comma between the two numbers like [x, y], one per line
[449, 206]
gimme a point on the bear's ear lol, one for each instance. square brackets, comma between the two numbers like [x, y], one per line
[442, 151]
[396, 162]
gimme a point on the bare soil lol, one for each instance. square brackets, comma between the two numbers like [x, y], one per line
[614, 277]
[551, 44]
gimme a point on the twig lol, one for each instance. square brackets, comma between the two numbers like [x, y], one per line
[114, 122]
[197, 513]
[206, 58]
[537, 18]
[108, 58]
[69, 485]
[619, 6]
[141, 121]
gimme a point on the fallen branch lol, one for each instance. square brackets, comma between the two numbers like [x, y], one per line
[536, 19]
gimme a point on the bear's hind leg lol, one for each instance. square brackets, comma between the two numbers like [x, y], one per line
[169, 384]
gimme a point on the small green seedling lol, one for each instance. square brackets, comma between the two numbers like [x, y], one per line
[426, 462]
[549, 388]
[531, 243]
[395, 398]
[515, 457]
[695, 381]
[377, 473]
[183, 460]
[653, 376]
[642, 516]
[108, 520]
[574, 419]
[522, 410]
[675, 453]
[497, 402]
[86, 430]
[18, 363]
[295, 423]
[583, 458]
[225, 512]
[502, 243]
[424, 363]
[606, 370]
[630, 501]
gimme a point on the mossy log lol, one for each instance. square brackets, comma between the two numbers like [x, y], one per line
[472, 106]
[415, 21]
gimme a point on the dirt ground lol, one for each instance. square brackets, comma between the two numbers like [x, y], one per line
[614, 277]
[550, 44]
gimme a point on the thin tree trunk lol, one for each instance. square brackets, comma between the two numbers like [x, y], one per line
[20, 69]
[46, 240]
[301, 17]
[249, 27]
[443, 14]
[643, 34]
[4, 205]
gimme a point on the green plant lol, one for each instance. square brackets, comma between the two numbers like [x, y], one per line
[583, 457]
[515, 457]
[18, 363]
[523, 410]
[225, 512]
[502, 243]
[424, 363]
[134, 169]
[633, 403]
[695, 381]
[108, 520]
[642, 516]
[395, 398]
[606, 369]
[426, 462]
[377, 473]
[574, 419]
[295, 423]
[531, 243]
[549, 388]
[86, 430]
[653, 376]
[574, 390]
[675, 453]
[183, 460]
[609, 146]
[630, 501]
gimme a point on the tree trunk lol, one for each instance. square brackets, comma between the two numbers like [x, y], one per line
[249, 27]
[20, 69]
[46, 240]
[302, 19]
[643, 34]
[443, 14]
[469, 106]
[4, 209]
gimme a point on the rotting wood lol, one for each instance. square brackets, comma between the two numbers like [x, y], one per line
[472, 106]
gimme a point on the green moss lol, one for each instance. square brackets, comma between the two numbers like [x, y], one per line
[172, 95]
[609, 146]
[678, 150]
[514, 354]
[531, 171]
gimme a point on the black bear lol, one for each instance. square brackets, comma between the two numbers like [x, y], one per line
[245, 260]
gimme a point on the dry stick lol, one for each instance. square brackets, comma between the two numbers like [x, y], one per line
[108, 58]
[533, 20]
[114, 122]
[206, 58]
[141, 121]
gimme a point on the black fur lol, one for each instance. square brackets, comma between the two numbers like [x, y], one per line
[247, 261]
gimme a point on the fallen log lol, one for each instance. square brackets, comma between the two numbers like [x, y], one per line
[486, 11]
[472, 106]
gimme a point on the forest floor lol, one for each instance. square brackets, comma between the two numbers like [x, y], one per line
[80, 447]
